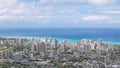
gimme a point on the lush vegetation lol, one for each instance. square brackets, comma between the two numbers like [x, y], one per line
[15, 48]
[117, 46]
[57, 63]
[5, 47]
[18, 48]
[78, 59]
[3, 65]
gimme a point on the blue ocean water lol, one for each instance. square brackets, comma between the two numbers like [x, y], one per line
[109, 35]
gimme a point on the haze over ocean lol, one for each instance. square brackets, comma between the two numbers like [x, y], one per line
[109, 35]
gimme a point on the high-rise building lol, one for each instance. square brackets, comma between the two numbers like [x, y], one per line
[11, 53]
[31, 56]
[51, 53]
[1, 54]
[34, 48]
[117, 55]
[50, 40]
[41, 47]
[99, 43]
[5, 53]
[56, 44]
[64, 47]
[38, 48]
[18, 56]
[87, 49]
[46, 39]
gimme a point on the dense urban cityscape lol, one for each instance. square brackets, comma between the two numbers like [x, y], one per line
[49, 53]
[59, 33]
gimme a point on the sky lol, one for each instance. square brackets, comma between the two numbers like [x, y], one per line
[59, 13]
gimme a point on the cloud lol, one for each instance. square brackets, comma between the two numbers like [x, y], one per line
[102, 2]
[62, 1]
[93, 2]
[109, 11]
[7, 3]
[45, 10]
[115, 21]
[95, 18]
[6, 17]
[43, 1]
[69, 10]
[12, 7]
[15, 10]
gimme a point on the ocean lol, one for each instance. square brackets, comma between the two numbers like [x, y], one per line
[109, 35]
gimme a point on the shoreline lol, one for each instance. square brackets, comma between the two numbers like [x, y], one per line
[60, 39]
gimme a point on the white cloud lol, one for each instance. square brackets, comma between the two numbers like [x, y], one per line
[102, 2]
[95, 18]
[7, 3]
[3, 11]
[94, 2]
[10, 9]
[69, 10]
[115, 21]
[43, 1]
[109, 11]
[5, 17]
[62, 1]
[44, 19]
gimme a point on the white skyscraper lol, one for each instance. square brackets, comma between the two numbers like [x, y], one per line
[87, 49]
[50, 40]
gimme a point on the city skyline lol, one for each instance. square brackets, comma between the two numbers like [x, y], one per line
[59, 14]
[59, 33]
[35, 53]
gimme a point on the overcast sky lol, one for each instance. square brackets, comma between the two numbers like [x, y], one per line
[60, 13]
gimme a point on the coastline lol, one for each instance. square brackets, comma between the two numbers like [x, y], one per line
[62, 39]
